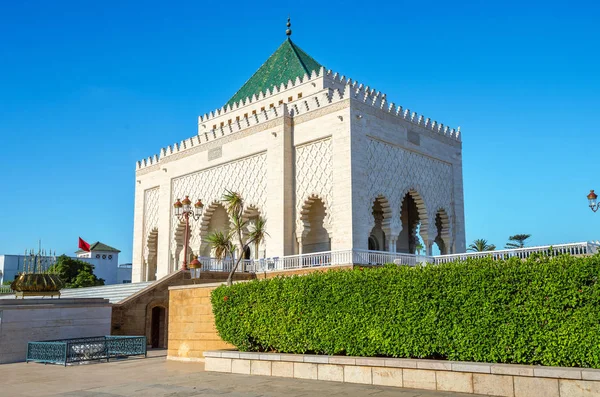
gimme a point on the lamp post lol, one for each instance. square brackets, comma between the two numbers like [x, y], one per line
[195, 268]
[183, 211]
[592, 199]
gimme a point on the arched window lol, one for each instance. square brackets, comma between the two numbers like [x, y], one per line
[373, 244]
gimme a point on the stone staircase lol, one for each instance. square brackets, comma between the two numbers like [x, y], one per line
[115, 293]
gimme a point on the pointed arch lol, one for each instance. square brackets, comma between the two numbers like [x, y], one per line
[413, 215]
[442, 231]
[251, 211]
[251, 214]
[380, 227]
[314, 227]
[214, 218]
[303, 223]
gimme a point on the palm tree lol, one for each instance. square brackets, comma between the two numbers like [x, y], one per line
[234, 204]
[258, 233]
[481, 245]
[517, 241]
[419, 248]
[221, 244]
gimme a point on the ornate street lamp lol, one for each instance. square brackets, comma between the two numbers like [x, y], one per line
[195, 268]
[592, 198]
[183, 211]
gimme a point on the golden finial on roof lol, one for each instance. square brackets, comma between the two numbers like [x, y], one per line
[288, 31]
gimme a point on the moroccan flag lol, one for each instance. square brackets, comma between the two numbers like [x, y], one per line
[83, 245]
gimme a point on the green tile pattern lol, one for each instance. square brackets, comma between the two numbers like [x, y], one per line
[286, 63]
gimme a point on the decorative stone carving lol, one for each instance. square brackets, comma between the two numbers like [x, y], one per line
[150, 216]
[394, 171]
[314, 179]
[247, 176]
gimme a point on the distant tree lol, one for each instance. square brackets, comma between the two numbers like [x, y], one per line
[517, 241]
[481, 245]
[75, 273]
[419, 248]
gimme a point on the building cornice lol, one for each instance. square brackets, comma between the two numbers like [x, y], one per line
[323, 102]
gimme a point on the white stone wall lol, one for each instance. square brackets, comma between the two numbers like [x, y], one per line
[390, 158]
[341, 143]
[105, 265]
[31, 320]
[314, 181]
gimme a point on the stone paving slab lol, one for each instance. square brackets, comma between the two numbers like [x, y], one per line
[157, 377]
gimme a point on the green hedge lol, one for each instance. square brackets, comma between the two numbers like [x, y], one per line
[539, 311]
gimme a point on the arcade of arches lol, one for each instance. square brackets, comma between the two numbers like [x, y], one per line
[315, 236]
[407, 241]
[215, 219]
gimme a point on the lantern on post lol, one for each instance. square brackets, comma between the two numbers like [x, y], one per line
[183, 211]
[592, 198]
[195, 268]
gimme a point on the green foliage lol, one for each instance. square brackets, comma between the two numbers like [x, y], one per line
[7, 282]
[241, 231]
[257, 232]
[75, 273]
[481, 245]
[221, 243]
[539, 311]
[418, 248]
[517, 241]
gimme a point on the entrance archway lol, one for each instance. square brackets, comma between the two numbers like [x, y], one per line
[215, 219]
[381, 225]
[315, 236]
[158, 329]
[373, 244]
[251, 215]
[414, 223]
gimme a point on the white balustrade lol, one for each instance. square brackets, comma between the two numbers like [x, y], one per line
[225, 265]
[584, 248]
[364, 257]
[376, 258]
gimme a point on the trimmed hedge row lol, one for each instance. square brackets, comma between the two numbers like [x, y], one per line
[540, 311]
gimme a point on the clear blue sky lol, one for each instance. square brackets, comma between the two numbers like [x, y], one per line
[89, 88]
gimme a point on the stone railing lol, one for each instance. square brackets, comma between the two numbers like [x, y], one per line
[364, 257]
[584, 248]
[374, 258]
[5, 289]
[225, 265]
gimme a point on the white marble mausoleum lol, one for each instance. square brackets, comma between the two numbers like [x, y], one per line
[329, 162]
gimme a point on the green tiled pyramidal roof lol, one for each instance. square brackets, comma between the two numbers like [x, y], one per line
[98, 246]
[286, 63]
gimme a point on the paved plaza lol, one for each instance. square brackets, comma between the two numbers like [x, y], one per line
[157, 377]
